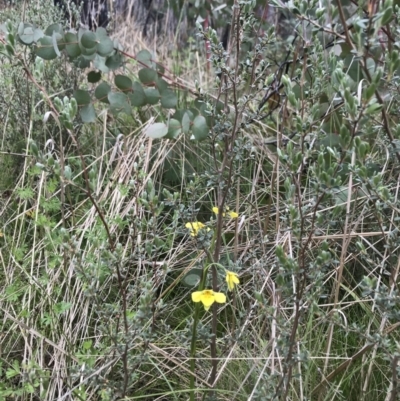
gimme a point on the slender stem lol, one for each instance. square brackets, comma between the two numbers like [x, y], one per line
[194, 334]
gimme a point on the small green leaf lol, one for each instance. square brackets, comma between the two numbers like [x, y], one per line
[88, 40]
[123, 82]
[71, 45]
[102, 91]
[387, 16]
[26, 33]
[101, 33]
[161, 85]
[138, 97]
[81, 62]
[37, 34]
[152, 95]
[119, 103]
[105, 47]
[88, 113]
[168, 99]
[82, 97]
[186, 123]
[94, 76]
[147, 76]
[192, 279]
[200, 129]
[174, 129]
[114, 62]
[45, 49]
[145, 59]
[55, 38]
[156, 130]
[54, 28]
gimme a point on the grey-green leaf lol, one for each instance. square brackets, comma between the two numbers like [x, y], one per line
[168, 99]
[115, 61]
[82, 97]
[88, 113]
[152, 95]
[174, 129]
[186, 123]
[45, 48]
[123, 82]
[147, 76]
[71, 44]
[88, 40]
[119, 103]
[200, 129]
[102, 91]
[144, 57]
[138, 97]
[105, 47]
[156, 130]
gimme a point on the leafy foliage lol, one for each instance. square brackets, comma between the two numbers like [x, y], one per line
[234, 241]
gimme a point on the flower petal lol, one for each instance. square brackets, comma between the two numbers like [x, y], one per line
[220, 297]
[215, 210]
[196, 296]
[233, 215]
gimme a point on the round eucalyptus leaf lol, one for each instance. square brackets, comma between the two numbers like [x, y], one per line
[54, 28]
[186, 123]
[37, 34]
[156, 130]
[100, 63]
[81, 62]
[45, 49]
[88, 113]
[152, 95]
[145, 59]
[101, 33]
[101, 92]
[105, 47]
[89, 53]
[161, 85]
[88, 40]
[119, 103]
[200, 128]
[82, 97]
[27, 35]
[147, 76]
[115, 61]
[58, 43]
[168, 99]
[123, 82]
[138, 97]
[72, 45]
[192, 279]
[94, 76]
[174, 129]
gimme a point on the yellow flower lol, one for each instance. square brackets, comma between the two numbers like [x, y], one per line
[215, 210]
[232, 215]
[30, 213]
[208, 297]
[194, 227]
[232, 279]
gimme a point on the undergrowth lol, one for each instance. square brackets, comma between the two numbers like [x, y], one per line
[285, 216]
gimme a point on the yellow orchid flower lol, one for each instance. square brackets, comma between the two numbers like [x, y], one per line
[194, 227]
[232, 215]
[232, 280]
[208, 297]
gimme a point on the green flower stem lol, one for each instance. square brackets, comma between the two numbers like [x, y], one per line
[194, 332]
